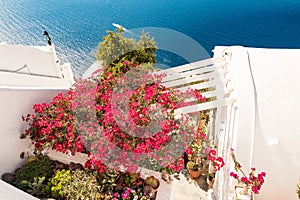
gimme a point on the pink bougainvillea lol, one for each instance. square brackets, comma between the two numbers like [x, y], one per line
[217, 161]
[254, 181]
[115, 125]
[52, 125]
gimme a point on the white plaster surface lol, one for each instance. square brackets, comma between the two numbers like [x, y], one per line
[267, 132]
[9, 192]
[39, 60]
[39, 81]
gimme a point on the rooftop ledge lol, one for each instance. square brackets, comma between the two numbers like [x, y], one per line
[25, 81]
[32, 67]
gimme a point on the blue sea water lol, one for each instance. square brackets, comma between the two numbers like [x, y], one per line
[76, 26]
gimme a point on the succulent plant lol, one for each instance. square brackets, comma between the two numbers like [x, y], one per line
[61, 179]
[83, 185]
[77, 184]
[37, 187]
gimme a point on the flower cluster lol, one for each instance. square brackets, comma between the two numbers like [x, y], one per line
[131, 194]
[254, 181]
[53, 126]
[198, 146]
[217, 161]
[137, 118]
[117, 118]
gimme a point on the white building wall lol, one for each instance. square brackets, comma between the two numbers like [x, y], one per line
[276, 147]
[35, 60]
[267, 132]
[13, 104]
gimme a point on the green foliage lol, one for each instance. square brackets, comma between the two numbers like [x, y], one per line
[38, 187]
[130, 180]
[193, 166]
[61, 179]
[33, 173]
[116, 48]
[78, 184]
[152, 164]
[109, 180]
[84, 185]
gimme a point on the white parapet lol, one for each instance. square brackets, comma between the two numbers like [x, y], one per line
[9, 192]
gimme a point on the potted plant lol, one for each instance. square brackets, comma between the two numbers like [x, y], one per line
[202, 154]
[194, 169]
[151, 185]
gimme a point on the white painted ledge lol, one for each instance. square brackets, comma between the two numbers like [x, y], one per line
[9, 192]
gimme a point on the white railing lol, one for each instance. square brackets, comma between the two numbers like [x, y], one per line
[213, 77]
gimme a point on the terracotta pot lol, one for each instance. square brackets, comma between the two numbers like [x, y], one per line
[195, 174]
[201, 123]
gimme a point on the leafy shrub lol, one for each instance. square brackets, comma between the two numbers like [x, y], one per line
[116, 48]
[31, 176]
[109, 180]
[58, 182]
[37, 187]
[83, 186]
[78, 184]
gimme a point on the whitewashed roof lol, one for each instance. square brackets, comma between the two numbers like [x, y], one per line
[32, 66]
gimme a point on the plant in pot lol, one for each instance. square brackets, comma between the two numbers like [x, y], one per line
[202, 155]
[151, 185]
[196, 153]
[194, 169]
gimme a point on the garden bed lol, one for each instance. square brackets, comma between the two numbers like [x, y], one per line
[61, 178]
